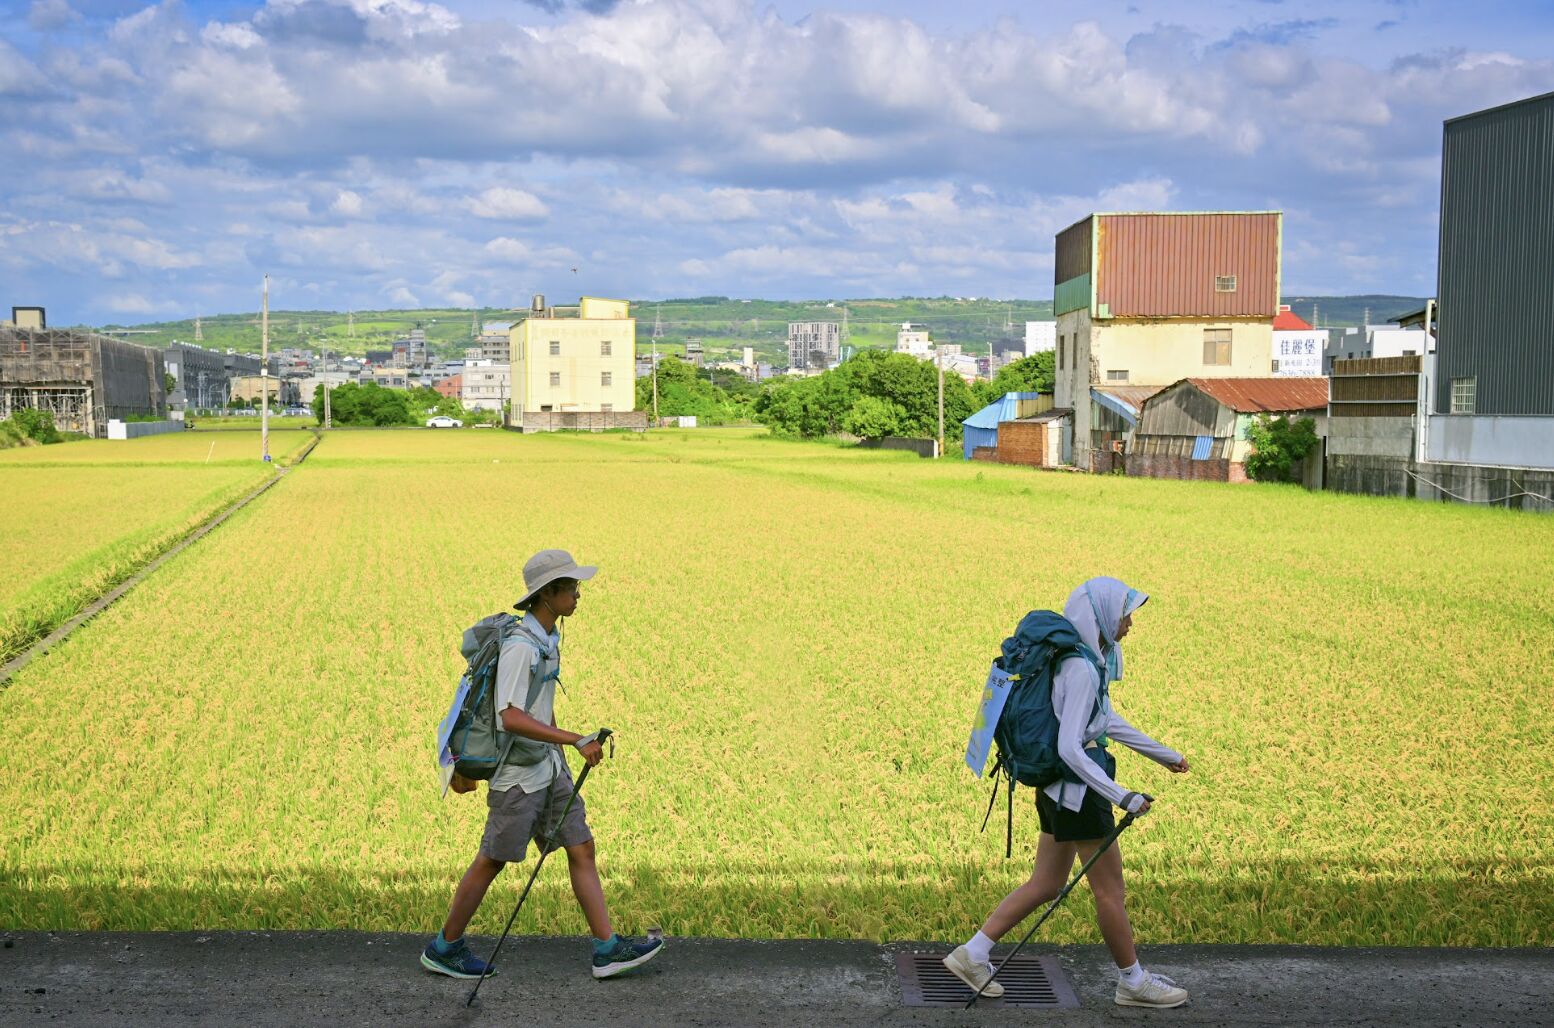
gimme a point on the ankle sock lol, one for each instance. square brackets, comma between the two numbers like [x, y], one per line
[605, 945]
[979, 947]
[443, 946]
[1133, 976]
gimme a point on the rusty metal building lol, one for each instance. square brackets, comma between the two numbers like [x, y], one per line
[1146, 299]
[1198, 428]
[84, 379]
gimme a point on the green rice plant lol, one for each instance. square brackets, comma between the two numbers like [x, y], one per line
[73, 533]
[789, 640]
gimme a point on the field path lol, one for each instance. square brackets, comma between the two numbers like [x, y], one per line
[279, 978]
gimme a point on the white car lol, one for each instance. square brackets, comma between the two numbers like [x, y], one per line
[443, 421]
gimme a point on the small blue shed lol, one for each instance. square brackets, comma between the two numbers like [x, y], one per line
[981, 429]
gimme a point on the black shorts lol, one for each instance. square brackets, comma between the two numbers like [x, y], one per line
[1093, 820]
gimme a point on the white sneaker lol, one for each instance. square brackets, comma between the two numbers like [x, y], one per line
[975, 975]
[1156, 990]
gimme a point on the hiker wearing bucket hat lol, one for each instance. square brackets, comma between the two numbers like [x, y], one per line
[1076, 809]
[531, 795]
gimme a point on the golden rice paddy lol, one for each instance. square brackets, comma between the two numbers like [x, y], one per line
[789, 640]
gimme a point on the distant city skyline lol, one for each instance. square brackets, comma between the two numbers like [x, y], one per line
[397, 153]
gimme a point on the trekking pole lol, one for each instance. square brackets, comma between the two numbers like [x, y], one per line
[600, 736]
[1105, 845]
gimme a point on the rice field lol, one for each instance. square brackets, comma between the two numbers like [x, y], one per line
[789, 640]
[81, 517]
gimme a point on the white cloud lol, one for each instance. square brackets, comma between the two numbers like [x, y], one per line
[347, 204]
[507, 204]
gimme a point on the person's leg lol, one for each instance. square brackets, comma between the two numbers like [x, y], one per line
[1053, 861]
[1105, 878]
[466, 898]
[584, 870]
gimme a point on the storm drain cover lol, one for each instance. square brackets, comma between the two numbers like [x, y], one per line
[1028, 982]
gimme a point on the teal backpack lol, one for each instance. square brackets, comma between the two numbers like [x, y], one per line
[477, 742]
[1027, 731]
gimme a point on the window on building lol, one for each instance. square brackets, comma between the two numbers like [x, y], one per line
[604, 348]
[604, 378]
[555, 379]
[1224, 283]
[555, 348]
[1275, 367]
[1117, 376]
[1062, 348]
[1463, 395]
[1216, 346]
[605, 408]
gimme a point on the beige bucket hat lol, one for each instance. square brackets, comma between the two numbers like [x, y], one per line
[548, 565]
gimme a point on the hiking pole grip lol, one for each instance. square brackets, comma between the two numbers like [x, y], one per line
[1084, 868]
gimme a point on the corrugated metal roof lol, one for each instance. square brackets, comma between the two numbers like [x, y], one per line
[1055, 414]
[1005, 408]
[1168, 264]
[1132, 396]
[1251, 395]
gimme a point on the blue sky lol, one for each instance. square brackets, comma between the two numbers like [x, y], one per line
[371, 153]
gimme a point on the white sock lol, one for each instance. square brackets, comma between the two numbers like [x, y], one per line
[979, 947]
[1133, 976]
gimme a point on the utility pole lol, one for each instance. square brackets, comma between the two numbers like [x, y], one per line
[199, 334]
[264, 375]
[658, 330]
[329, 421]
[938, 358]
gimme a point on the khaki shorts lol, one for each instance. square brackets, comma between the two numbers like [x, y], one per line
[513, 817]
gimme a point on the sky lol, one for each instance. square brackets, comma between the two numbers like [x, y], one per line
[161, 158]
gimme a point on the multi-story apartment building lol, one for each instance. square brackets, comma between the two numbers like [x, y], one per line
[1144, 300]
[574, 359]
[914, 341]
[485, 385]
[814, 344]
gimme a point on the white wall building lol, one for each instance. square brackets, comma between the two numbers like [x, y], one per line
[914, 341]
[1040, 337]
[486, 385]
[1376, 341]
[814, 344]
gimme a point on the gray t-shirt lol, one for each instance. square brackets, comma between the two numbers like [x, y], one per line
[520, 651]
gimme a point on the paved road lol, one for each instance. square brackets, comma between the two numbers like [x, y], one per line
[338, 979]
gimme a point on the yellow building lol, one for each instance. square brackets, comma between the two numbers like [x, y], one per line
[580, 362]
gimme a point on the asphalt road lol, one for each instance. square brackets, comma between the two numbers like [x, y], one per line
[341, 978]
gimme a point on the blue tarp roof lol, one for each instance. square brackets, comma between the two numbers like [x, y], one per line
[1005, 408]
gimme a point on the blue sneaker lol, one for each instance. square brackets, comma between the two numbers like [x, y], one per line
[458, 962]
[624, 955]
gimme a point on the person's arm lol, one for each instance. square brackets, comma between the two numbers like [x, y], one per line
[1118, 728]
[1079, 686]
[512, 678]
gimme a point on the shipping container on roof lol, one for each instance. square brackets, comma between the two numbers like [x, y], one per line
[1215, 264]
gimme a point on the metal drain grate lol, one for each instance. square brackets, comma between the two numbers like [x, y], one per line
[1028, 982]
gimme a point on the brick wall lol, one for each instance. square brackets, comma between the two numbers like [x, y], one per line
[1146, 465]
[1023, 443]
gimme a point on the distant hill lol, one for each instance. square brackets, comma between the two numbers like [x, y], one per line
[1343, 311]
[723, 325]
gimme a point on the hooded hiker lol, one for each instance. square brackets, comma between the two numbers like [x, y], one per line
[531, 794]
[1076, 808]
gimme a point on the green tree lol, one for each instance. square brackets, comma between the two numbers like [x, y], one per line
[37, 425]
[1034, 374]
[366, 403]
[873, 418]
[1278, 447]
[683, 391]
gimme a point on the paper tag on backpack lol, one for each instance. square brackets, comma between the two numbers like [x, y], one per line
[990, 707]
